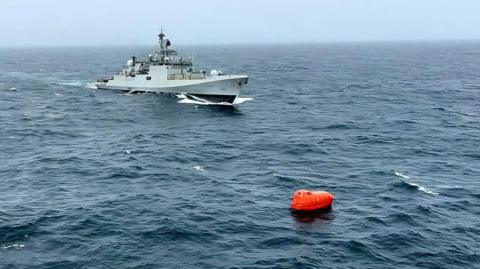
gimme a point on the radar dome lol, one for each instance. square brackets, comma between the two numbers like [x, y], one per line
[215, 73]
[130, 62]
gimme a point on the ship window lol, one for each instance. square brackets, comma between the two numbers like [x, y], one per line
[149, 78]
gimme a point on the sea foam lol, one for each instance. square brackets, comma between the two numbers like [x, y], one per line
[199, 101]
[91, 86]
[199, 168]
[70, 83]
[413, 184]
[400, 174]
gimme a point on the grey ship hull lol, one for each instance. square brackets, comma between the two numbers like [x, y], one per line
[219, 89]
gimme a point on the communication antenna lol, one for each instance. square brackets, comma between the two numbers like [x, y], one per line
[159, 43]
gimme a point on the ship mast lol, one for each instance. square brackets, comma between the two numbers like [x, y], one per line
[163, 56]
[163, 50]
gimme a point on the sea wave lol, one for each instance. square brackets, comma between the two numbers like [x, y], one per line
[400, 174]
[415, 185]
[422, 188]
[15, 246]
[71, 83]
[114, 178]
[199, 168]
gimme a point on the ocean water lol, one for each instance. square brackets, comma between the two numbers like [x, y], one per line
[102, 179]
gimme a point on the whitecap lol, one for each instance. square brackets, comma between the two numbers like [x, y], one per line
[128, 151]
[12, 246]
[58, 94]
[398, 174]
[199, 168]
[450, 187]
[70, 83]
[422, 188]
[416, 185]
[12, 89]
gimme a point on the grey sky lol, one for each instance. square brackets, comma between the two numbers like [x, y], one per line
[136, 22]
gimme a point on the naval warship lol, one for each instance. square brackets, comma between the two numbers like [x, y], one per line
[167, 72]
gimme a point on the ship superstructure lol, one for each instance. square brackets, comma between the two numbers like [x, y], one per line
[167, 72]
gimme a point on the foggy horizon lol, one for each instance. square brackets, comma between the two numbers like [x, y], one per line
[300, 43]
[88, 23]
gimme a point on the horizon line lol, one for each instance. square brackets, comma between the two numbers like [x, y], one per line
[281, 43]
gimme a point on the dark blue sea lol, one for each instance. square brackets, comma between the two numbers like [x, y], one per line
[102, 179]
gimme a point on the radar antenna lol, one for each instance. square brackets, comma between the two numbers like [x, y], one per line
[161, 36]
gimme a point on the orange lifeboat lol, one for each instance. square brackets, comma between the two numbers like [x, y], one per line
[305, 200]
